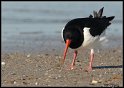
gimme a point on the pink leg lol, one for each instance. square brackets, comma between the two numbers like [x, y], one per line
[91, 60]
[74, 58]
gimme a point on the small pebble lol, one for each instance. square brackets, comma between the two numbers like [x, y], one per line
[59, 76]
[39, 78]
[14, 82]
[94, 82]
[93, 70]
[101, 64]
[105, 72]
[56, 77]
[49, 76]
[36, 83]
[38, 55]
[60, 70]
[23, 75]
[13, 73]
[3, 63]
[60, 57]
[28, 55]
[99, 81]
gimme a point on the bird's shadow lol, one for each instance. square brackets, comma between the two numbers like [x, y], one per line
[102, 67]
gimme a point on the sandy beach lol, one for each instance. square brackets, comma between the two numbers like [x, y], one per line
[44, 69]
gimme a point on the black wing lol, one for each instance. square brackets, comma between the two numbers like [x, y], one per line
[98, 25]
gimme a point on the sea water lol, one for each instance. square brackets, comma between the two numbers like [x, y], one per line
[35, 26]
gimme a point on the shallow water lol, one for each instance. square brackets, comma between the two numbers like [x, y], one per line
[36, 26]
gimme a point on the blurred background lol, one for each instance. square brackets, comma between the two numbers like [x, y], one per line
[36, 26]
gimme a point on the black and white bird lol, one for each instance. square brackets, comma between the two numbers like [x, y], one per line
[84, 32]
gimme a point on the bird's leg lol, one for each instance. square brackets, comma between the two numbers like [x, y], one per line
[73, 61]
[91, 60]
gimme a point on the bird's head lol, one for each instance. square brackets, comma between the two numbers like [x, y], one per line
[73, 37]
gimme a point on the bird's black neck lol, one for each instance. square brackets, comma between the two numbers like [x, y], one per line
[75, 34]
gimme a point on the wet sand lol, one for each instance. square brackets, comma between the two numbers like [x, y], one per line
[44, 69]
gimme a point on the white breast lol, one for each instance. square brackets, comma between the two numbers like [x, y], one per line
[88, 38]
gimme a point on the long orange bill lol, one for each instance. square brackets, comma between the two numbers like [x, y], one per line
[68, 41]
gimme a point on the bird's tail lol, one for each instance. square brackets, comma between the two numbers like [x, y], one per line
[97, 15]
[110, 19]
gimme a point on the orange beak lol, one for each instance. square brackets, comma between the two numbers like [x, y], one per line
[68, 42]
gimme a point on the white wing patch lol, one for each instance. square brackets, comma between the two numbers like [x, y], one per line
[103, 37]
[88, 38]
[103, 40]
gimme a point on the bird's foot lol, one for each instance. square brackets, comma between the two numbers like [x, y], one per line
[89, 69]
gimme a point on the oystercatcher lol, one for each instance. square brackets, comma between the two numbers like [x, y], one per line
[84, 32]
